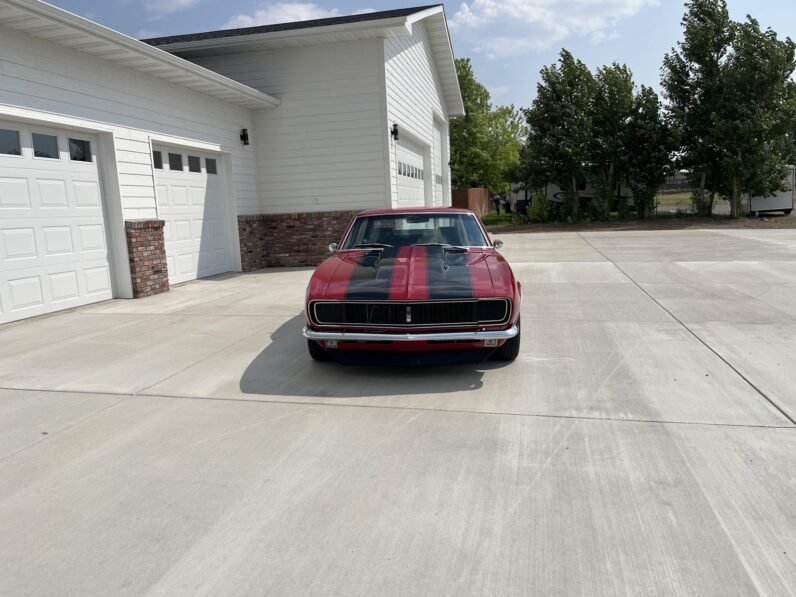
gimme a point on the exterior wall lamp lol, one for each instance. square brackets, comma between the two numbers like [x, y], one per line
[244, 136]
[394, 132]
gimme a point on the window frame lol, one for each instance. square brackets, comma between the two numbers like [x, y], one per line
[182, 162]
[90, 150]
[21, 153]
[215, 166]
[33, 135]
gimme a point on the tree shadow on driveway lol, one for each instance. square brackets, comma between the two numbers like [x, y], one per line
[285, 368]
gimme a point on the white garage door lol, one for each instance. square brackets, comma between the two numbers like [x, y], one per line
[53, 248]
[411, 176]
[439, 199]
[192, 201]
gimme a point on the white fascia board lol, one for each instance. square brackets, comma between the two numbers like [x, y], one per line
[444, 59]
[395, 27]
[71, 23]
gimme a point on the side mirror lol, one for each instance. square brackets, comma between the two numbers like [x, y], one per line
[333, 248]
[498, 244]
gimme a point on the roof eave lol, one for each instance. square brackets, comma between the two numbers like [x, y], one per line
[77, 32]
[445, 58]
[386, 28]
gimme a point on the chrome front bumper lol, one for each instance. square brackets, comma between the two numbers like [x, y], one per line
[430, 337]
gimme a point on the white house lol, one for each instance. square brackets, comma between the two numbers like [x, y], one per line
[126, 166]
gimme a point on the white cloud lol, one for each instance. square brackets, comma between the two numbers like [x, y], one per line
[148, 34]
[496, 91]
[161, 8]
[281, 12]
[363, 11]
[539, 24]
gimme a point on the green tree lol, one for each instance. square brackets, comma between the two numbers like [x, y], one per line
[752, 122]
[611, 109]
[468, 134]
[790, 117]
[503, 143]
[560, 125]
[646, 143]
[486, 142]
[693, 82]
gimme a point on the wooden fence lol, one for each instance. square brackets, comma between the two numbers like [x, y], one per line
[476, 200]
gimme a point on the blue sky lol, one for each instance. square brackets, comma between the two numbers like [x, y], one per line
[508, 40]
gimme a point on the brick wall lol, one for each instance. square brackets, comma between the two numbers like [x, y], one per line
[146, 250]
[289, 240]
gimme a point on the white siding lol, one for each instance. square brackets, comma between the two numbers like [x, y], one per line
[44, 76]
[326, 140]
[414, 97]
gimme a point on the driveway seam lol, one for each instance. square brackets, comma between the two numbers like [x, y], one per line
[749, 382]
[122, 398]
[409, 408]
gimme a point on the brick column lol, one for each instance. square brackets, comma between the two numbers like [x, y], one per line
[146, 249]
[289, 240]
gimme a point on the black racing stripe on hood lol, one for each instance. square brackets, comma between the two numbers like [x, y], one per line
[452, 282]
[372, 277]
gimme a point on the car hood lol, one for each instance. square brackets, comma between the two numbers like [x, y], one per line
[412, 273]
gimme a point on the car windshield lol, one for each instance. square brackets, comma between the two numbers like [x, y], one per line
[403, 230]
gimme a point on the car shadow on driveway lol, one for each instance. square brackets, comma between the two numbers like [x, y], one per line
[285, 368]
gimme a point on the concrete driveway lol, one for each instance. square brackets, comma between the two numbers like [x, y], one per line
[642, 444]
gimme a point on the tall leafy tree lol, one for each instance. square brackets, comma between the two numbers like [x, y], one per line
[560, 125]
[468, 134]
[752, 121]
[693, 82]
[646, 144]
[504, 141]
[611, 109]
[486, 142]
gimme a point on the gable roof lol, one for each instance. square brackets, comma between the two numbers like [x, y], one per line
[61, 27]
[293, 26]
[384, 24]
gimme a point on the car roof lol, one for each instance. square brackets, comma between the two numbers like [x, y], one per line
[414, 210]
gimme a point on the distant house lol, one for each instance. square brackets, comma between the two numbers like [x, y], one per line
[127, 165]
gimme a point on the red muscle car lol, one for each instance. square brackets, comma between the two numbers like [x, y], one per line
[414, 280]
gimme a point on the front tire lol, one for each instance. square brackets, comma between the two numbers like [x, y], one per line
[787, 212]
[317, 352]
[510, 349]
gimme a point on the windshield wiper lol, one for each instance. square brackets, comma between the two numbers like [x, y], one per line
[371, 246]
[446, 246]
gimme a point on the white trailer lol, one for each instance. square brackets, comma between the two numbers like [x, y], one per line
[779, 201]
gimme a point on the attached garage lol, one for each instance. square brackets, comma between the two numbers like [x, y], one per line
[53, 244]
[411, 174]
[128, 166]
[192, 201]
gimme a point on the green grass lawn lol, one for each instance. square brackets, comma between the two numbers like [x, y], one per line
[681, 198]
[493, 219]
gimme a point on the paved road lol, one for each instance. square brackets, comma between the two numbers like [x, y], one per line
[643, 443]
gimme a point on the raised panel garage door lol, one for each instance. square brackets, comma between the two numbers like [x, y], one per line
[53, 247]
[192, 201]
[411, 175]
[439, 193]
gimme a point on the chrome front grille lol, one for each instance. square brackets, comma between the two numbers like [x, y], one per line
[411, 314]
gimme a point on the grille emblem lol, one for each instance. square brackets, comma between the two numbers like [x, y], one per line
[408, 314]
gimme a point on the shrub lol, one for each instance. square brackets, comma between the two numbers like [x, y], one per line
[540, 210]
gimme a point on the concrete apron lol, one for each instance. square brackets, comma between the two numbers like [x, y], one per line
[640, 444]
